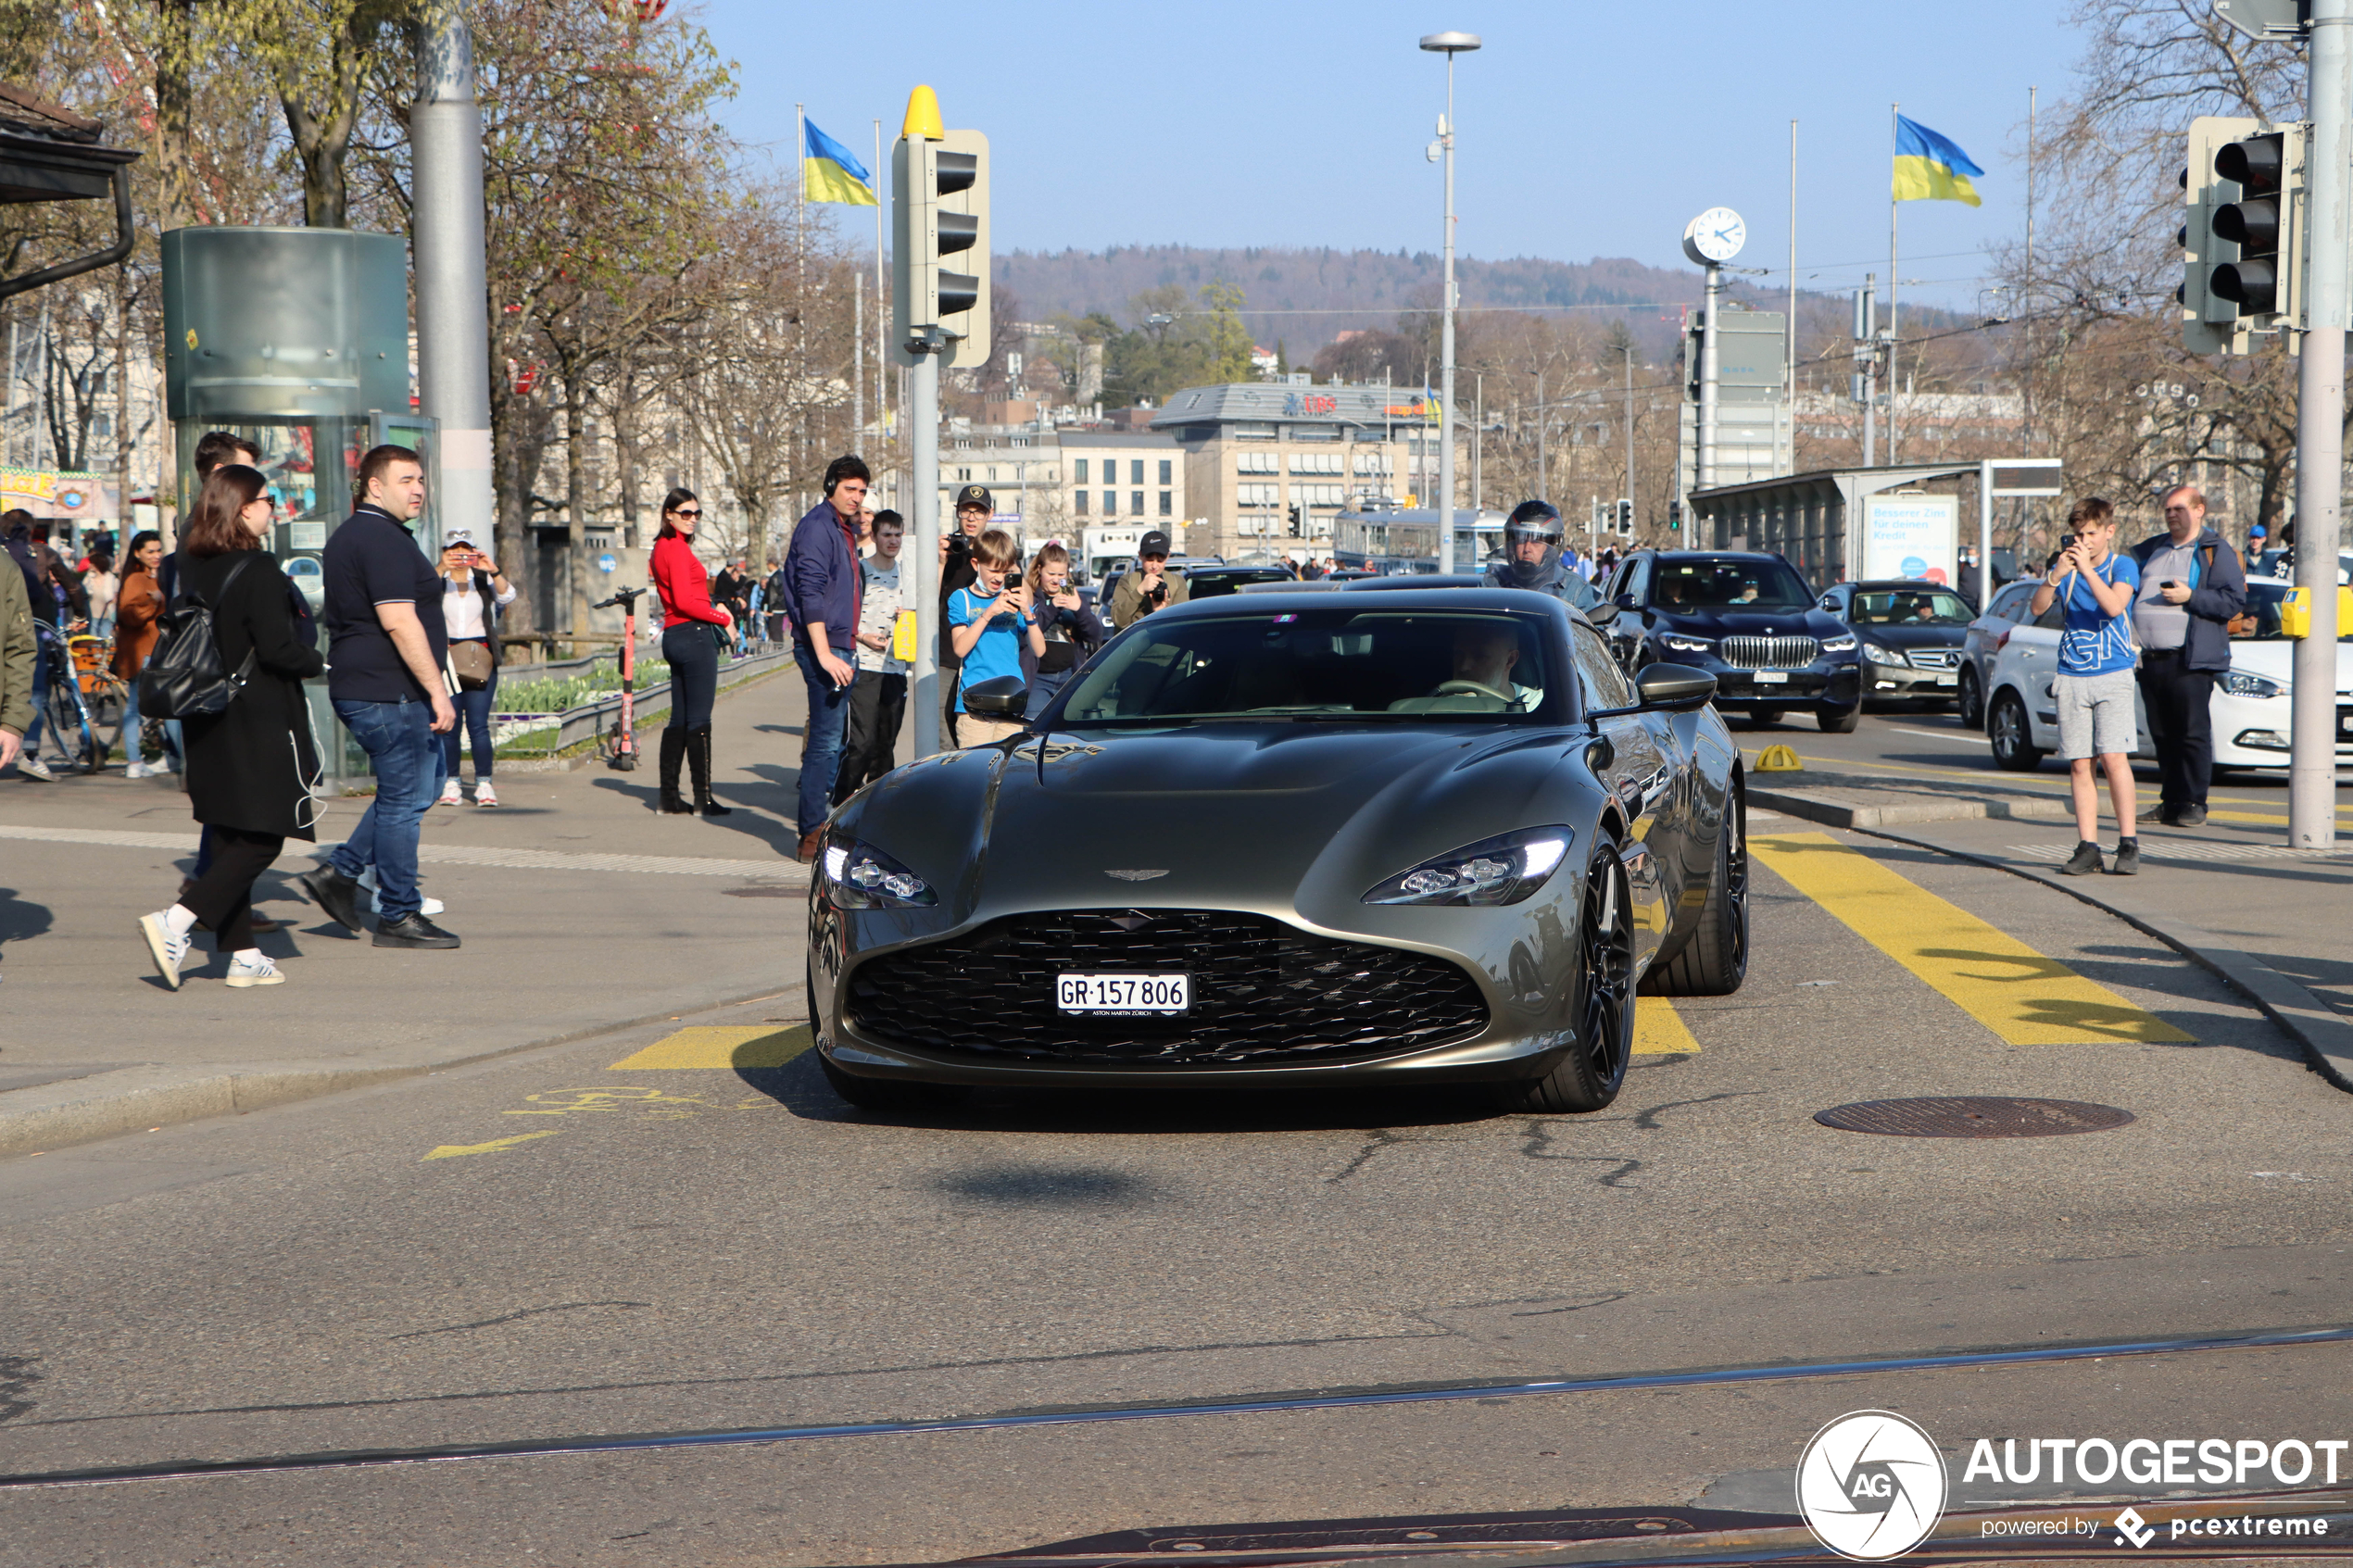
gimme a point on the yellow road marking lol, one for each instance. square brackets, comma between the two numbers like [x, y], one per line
[2026, 999]
[1659, 1029]
[451, 1151]
[2043, 785]
[711, 1047]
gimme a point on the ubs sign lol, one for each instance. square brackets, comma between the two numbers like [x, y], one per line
[1300, 403]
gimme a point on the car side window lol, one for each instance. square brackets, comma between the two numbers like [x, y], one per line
[1600, 682]
[1637, 580]
[2053, 619]
[2010, 604]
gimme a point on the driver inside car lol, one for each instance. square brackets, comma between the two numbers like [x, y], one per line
[1485, 654]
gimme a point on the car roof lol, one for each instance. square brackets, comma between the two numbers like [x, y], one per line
[1522, 600]
[1713, 555]
[1268, 572]
[1900, 584]
[1405, 582]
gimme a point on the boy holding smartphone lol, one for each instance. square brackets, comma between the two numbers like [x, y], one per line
[988, 623]
[2094, 687]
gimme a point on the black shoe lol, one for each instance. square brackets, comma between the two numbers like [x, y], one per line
[2128, 857]
[674, 756]
[2160, 812]
[413, 931]
[2085, 862]
[2191, 816]
[336, 893]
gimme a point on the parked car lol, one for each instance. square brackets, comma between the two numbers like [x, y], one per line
[2251, 706]
[1910, 635]
[1214, 582]
[1980, 640]
[1747, 618]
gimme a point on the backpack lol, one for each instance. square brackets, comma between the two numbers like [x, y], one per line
[183, 678]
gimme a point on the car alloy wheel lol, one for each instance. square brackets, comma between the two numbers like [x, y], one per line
[1971, 700]
[2005, 727]
[1605, 986]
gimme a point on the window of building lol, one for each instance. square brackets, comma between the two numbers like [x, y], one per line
[963, 473]
[1079, 466]
[1136, 501]
[1257, 495]
[1111, 503]
[992, 473]
[1246, 431]
[1257, 462]
[1167, 468]
[1136, 475]
[1082, 503]
[1168, 501]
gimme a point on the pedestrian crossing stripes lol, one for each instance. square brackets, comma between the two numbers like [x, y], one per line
[455, 854]
[2024, 997]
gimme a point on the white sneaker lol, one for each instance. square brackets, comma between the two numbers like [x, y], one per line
[258, 970]
[164, 948]
[376, 898]
[485, 794]
[31, 767]
[449, 795]
[140, 770]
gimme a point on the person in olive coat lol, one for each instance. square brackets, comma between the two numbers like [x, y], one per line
[252, 769]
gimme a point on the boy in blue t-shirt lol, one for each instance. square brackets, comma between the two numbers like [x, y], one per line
[2094, 688]
[985, 624]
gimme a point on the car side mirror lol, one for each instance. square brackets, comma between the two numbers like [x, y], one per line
[1626, 601]
[1674, 688]
[1003, 698]
[1602, 613]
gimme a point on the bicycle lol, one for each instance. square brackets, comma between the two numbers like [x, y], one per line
[66, 719]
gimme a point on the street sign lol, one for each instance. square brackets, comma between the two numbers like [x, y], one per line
[2266, 18]
[608, 562]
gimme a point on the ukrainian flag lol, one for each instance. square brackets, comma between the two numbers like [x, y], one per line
[829, 172]
[1931, 167]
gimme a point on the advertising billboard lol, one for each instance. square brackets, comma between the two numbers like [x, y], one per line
[1916, 537]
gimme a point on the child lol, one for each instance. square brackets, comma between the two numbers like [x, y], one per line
[1071, 633]
[988, 624]
[2094, 686]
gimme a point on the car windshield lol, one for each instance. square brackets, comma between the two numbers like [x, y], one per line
[1730, 584]
[1216, 584]
[1319, 664]
[1909, 607]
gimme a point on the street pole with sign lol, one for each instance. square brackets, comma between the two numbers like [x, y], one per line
[1449, 44]
[1710, 240]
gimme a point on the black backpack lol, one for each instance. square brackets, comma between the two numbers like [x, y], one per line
[183, 678]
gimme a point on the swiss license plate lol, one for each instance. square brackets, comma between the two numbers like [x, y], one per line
[1124, 993]
[1772, 677]
[1948, 680]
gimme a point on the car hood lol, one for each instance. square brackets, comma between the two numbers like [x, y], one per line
[1754, 622]
[1214, 816]
[2275, 658]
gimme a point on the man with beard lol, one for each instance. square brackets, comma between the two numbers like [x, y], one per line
[1532, 557]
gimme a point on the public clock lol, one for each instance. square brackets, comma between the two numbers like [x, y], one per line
[1714, 235]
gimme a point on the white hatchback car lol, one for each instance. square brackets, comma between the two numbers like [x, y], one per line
[2250, 705]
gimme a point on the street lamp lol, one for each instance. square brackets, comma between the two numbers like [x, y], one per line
[1449, 44]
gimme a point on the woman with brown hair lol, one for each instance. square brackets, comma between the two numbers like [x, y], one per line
[252, 767]
[691, 649]
[136, 607]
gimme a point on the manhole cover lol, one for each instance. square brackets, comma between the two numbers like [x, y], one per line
[1973, 1116]
[767, 890]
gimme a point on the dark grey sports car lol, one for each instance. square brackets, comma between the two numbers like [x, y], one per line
[1294, 839]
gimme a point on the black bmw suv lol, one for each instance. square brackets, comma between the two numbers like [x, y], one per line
[1747, 618]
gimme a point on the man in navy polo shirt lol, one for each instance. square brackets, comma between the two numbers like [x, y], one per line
[385, 660]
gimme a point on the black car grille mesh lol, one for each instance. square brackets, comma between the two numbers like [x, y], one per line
[1263, 991]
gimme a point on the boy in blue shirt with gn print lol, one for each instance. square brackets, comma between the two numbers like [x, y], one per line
[2094, 687]
[985, 625]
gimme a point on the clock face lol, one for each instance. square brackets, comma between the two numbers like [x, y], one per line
[1714, 235]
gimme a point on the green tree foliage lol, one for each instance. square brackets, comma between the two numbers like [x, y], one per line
[1179, 341]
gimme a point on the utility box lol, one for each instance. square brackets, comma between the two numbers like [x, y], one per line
[283, 324]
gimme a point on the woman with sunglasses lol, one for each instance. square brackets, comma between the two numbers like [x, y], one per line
[688, 643]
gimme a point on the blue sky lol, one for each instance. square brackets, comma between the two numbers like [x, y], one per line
[1584, 130]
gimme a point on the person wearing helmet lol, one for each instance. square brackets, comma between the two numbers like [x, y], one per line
[1532, 557]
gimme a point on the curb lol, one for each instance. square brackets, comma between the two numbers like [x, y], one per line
[2323, 1034]
[1863, 818]
[131, 1100]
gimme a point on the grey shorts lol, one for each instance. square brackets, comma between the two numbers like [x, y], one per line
[2095, 714]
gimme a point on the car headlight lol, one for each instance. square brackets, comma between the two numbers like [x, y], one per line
[1686, 644]
[1494, 870]
[1881, 655]
[1839, 644]
[2238, 682]
[861, 877]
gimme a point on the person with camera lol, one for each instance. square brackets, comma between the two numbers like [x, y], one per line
[472, 592]
[2192, 586]
[1072, 632]
[1150, 586]
[253, 773]
[974, 506]
[988, 625]
[2094, 687]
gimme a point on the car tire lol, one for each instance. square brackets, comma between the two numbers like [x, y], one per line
[1837, 721]
[880, 1097]
[1589, 1076]
[1715, 962]
[1971, 700]
[2005, 726]
[1764, 718]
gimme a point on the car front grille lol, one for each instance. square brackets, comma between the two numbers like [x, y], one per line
[1935, 659]
[1769, 653]
[1263, 991]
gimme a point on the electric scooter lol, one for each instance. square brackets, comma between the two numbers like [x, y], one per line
[622, 746]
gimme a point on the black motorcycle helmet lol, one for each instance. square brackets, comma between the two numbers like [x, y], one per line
[1537, 520]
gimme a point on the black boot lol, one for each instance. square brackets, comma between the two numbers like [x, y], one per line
[673, 752]
[698, 759]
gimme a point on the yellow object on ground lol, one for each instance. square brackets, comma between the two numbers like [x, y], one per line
[735, 1046]
[1659, 1030]
[2023, 997]
[452, 1151]
[1779, 759]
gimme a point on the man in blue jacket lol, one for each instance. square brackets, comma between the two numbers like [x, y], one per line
[825, 585]
[2192, 587]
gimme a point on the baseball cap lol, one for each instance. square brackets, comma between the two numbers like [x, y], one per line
[975, 496]
[458, 536]
[1152, 543]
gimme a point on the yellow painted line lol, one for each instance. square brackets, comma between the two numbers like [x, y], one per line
[1659, 1030]
[2024, 997]
[2046, 786]
[732, 1046]
[451, 1151]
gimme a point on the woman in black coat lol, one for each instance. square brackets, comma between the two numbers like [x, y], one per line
[252, 767]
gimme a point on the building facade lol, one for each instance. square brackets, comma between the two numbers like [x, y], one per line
[1051, 484]
[1270, 467]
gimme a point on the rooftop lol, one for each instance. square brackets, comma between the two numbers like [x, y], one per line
[1264, 402]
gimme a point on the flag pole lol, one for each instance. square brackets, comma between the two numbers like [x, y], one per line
[1789, 380]
[882, 309]
[1895, 279]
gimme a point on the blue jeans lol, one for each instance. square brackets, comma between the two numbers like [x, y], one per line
[474, 722]
[40, 693]
[1043, 689]
[131, 721]
[406, 754]
[828, 721]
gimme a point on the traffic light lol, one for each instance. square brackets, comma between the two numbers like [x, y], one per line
[1294, 520]
[1625, 517]
[2242, 236]
[939, 217]
[1674, 516]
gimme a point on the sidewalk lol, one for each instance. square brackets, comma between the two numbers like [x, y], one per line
[581, 907]
[2275, 923]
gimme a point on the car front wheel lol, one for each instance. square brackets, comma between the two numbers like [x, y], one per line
[1837, 721]
[1715, 962]
[1590, 1075]
[2014, 746]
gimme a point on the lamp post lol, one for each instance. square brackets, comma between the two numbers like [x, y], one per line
[1449, 44]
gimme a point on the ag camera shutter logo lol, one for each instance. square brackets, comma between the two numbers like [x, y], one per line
[1872, 1486]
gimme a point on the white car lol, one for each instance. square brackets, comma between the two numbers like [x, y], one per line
[2250, 705]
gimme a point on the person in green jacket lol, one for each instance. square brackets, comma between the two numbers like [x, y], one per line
[16, 665]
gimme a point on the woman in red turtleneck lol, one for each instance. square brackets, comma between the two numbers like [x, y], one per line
[693, 653]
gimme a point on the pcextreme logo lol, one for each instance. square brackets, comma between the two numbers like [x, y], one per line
[1872, 1486]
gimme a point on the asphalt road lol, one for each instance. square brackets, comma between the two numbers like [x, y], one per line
[554, 1245]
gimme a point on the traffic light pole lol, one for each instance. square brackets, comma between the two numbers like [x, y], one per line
[2320, 414]
[922, 441]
